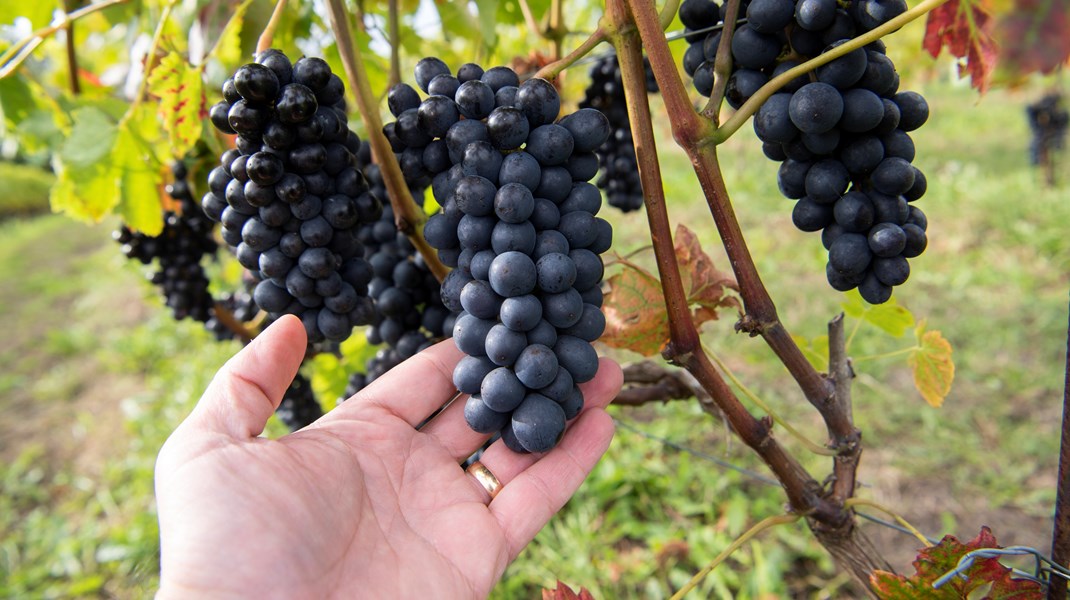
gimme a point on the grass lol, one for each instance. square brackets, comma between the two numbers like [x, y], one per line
[25, 190]
[97, 375]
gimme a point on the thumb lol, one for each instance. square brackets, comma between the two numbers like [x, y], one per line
[249, 387]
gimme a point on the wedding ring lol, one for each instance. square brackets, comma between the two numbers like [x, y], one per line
[485, 478]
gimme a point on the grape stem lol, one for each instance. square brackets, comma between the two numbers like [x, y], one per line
[227, 318]
[529, 18]
[266, 36]
[72, 54]
[552, 70]
[684, 347]
[407, 215]
[395, 42]
[755, 102]
[22, 49]
[722, 65]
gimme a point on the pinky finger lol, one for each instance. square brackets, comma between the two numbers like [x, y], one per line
[526, 503]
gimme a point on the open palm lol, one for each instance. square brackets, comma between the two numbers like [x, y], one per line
[360, 503]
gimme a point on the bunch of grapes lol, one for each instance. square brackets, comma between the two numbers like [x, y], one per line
[518, 226]
[1048, 121]
[620, 171]
[410, 315]
[290, 197]
[840, 133]
[239, 304]
[299, 407]
[185, 239]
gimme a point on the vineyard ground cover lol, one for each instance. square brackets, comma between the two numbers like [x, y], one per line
[25, 190]
[95, 390]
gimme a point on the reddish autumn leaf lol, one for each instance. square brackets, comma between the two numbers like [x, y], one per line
[635, 311]
[563, 592]
[635, 305]
[1034, 36]
[704, 285]
[965, 28]
[933, 562]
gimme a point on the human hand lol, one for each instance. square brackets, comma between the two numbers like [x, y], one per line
[360, 503]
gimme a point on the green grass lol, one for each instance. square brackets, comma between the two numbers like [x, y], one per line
[97, 375]
[25, 190]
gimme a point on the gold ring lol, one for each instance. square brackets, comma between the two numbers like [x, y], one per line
[485, 478]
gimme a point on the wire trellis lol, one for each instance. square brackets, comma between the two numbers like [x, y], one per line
[1044, 571]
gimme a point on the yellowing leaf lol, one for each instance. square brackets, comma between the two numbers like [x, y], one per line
[83, 193]
[181, 109]
[635, 312]
[228, 48]
[932, 365]
[138, 179]
[890, 317]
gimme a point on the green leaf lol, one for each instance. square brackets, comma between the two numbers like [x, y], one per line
[16, 102]
[39, 13]
[39, 131]
[933, 368]
[816, 350]
[488, 20]
[182, 108]
[138, 181]
[890, 317]
[103, 166]
[91, 139]
[228, 47]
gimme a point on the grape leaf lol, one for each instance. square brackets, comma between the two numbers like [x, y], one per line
[39, 12]
[933, 562]
[563, 592]
[704, 285]
[228, 47]
[1034, 36]
[635, 311]
[965, 28]
[103, 166]
[890, 317]
[136, 171]
[488, 19]
[16, 102]
[182, 110]
[816, 350]
[933, 368]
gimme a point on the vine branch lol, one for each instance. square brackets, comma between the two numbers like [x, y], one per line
[266, 36]
[395, 42]
[684, 348]
[22, 49]
[72, 54]
[1060, 537]
[722, 64]
[408, 216]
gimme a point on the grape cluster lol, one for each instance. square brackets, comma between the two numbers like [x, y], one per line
[620, 170]
[840, 133]
[299, 407]
[239, 304]
[410, 315]
[1048, 121]
[518, 227]
[178, 249]
[290, 197]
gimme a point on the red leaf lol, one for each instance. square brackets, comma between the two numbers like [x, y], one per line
[933, 562]
[563, 592]
[965, 28]
[1034, 36]
[704, 285]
